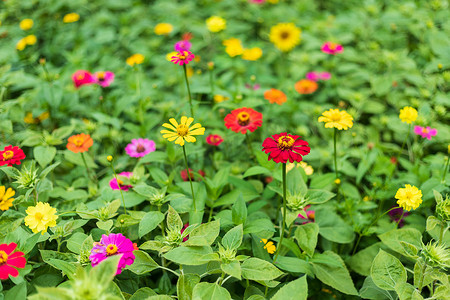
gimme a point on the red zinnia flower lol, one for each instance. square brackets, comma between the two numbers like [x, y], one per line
[241, 119]
[214, 139]
[283, 147]
[306, 86]
[11, 155]
[8, 260]
[184, 174]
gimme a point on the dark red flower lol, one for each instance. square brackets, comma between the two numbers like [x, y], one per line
[243, 119]
[285, 147]
[11, 155]
[185, 177]
[183, 229]
[8, 260]
[214, 139]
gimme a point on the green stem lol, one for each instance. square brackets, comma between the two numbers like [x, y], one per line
[335, 154]
[357, 243]
[170, 270]
[365, 231]
[441, 233]
[88, 171]
[422, 277]
[210, 214]
[404, 141]
[284, 214]
[35, 196]
[211, 83]
[188, 89]
[138, 84]
[249, 145]
[189, 176]
[445, 170]
[117, 180]
[399, 220]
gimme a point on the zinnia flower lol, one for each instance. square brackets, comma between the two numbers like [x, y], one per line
[216, 24]
[332, 48]
[316, 76]
[26, 24]
[79, 143]
[184, 174]
[182, 57]
[183, 45]
[83, 77]
[104, 79]
[252, 54]
[163, 28]
[9, 261]
[11, 156]
[269, 246]
[117, 184]
[334, 118]
[40, 217]
[113, 244]
[30, 39]
[396, 216]
[29, 119]
[214, 139]
[6, 199]
[140, 147]
[306, 86]
[275, 96]
[71, 18]
[182, 132]
[285, 36]
[409, 197]
[233, 47]
[408, 114]
[243, 119]
[21, 44]
[310, 215]
[135, 59]
[426, 133]
[285, 147]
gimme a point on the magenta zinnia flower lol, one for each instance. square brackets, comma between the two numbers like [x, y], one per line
[140, 147]
[311, 215]
[285, 147]
[104, 79]
[183, 45]
[113, 244]
[115, 184]
[316, 76]
[332, 48]
[182, 57]
[425, 132]
[83, 77]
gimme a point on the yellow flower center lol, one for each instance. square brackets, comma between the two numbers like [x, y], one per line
[38, 216]
[182, 55]
[182, 130]
[80, 77]
[332, 46]
[424, 130]
[119, 182]
[335, 117]
[285, 142]
[78, 141]
[3, 257]
[111, 249]
[101, 75]
[243, 118]
[8, 155]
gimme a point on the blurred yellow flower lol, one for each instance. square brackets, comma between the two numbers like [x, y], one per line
[29, 119]
[169, 55]
[269, 246]
[216, 24]
[273, 1]
[252, 54]
[70, 18]
[30, 39]
[334, 118]
[408, 114]
[6, 199]
[40, 217]
[21, 44]
[307, 168]
[163, 28]
[285, 36]
[135, 59]
[182, 132]
[189, 72]
[220, 98]
[233, 47]
[409, 197]
[26, 24]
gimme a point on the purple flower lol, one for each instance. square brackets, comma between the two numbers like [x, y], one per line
[396, 216]
[115, 184]
[425, 132]
[104, 79]
[113, 244]
[140, 147]
[254, 87]
[183, 45]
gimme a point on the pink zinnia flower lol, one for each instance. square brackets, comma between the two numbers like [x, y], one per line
[83, 77]
[116, 184]
[324, 76]
[214, 139]
[332, 48]
[182, 57]
[140, 147]
[10, 261]
[113, 244]
[183, 229]
[311, 214]
[184, 174]
[254, 87]
[316, 76]
[257, 1]
[425, 132]
[183, 45]
[104, 79]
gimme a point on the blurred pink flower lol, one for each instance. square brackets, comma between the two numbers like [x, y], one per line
[83, 77]
[425, 132]
[257, 1]
[311, 214]
[332, 48]
[140, 147]
[316, 76]
[183, 45]
[182, 57]
[254, 87]
[104, 79]
[116, 185]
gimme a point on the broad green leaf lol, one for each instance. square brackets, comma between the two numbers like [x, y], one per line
[361, 261]
[173, 220]
[406, 291]
[306, 236]
[185, 285]
[239, 211]
[17, 292]
[393, 240]
[298, 287]
[294, 265]
[206, 290]
[105, 271]
[295, 183]
[142, 294]
[142, 264]
[233, 238]
[75, 242]
[258, 225]
[191, 256]
[149, 222]
[256, 170]
[333, 228]
[387, 271]
[258, 269]
[204, 235]
[370, 291]
[44, 155]
[64, 262]
[232, 268]
[318, 196]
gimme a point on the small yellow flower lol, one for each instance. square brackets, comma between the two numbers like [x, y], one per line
[70, 18]
[233, 47]
[337, 181]
[30, 39]
[273, 1]
[220, 98]
[285, 36]
[135, 59]
[6, 199]
[409, 197]
[334, 118]
[182, 132]
[269, 246]
[408, 114]
[366, 198]
[163, 28]
[169, 55]
[40, 217]
[216, 24]
[109, 158]
[252, 54]
[26, 24]
[307, 168]
[21, 44]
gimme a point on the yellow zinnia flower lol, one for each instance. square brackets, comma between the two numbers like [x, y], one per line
[30, 39]
[220, 98]
[6, 199]
[285, 36]
[70, 18]
[409, 197]
[216, 24]
[252, 54]
[170, 54]
[408, 114]
[182, 132]
[40, 217]
[135, 59]
[21, 44]
[26, 24]
[334, 118]
[233, 47]
[163, 28]
[269, 246]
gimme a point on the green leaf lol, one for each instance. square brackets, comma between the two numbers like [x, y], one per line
[105, 271]
[142, 294]
[258, 269]
[362, 261]
[17, 292]
[44, 155]
[406, 291]
[204, 235]
[258, 225]
[398, 239]
[387, 271]
[185, 285]
[295, 265]
[333, 228]
[370, 291]
[295, 183]
[233, 238]
[298, 287]
[256, 170]
[232, 268]
[149, 222]
[191, 256]
[239, 211]
[143, 263]
[318, 196]
[75, 242]
[306, 236]
[206, 290]
[173, 220]
[64, 262]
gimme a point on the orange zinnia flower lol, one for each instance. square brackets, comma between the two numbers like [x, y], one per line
[80, 143]
[306, 86]
[275, 96]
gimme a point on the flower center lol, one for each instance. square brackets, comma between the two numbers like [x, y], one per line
[285, 142]
[182, 130]
[284, 35]
[140, 148]
[119, 182]
[3, 257]
[335, 117]
[425, 130]
[38, 216]
[8, 155]
[182, 55]
[111, 249]
[101, 75]
[78, 141]
[332, 46]
[243, 118]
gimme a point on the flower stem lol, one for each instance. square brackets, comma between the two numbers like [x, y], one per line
[335, 154]
[189, 90]
[249, 145]
[445, 169]
[441, 233]
[88, 171]
[189, 176]
[365, 231]
[404, 141]
[399, 220]
[120, 189]
[422, 276]
[211, 83]
[284, 214]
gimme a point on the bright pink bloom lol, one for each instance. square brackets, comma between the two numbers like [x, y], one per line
[257, 1]
[425, 132]
[311, 215]
[183, 45]
[254, 87]
[104, 79]
[316, 76]
[11, 156]
[140, 147]
[8, 260]
[214, 139]
[182, 57]
[113, 244]
[83, 77]
[183, 229]
[325, 76]
[285, 147]
[116, 185]
[332, 48]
